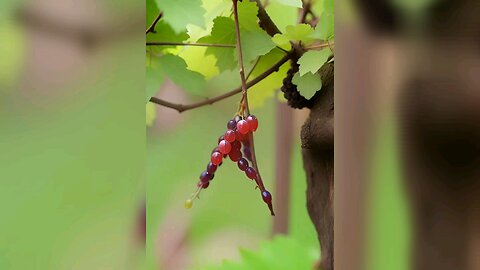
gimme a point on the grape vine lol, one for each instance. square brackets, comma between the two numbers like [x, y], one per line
[264, 42]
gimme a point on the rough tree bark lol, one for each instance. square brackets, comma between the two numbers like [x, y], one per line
[317, 150]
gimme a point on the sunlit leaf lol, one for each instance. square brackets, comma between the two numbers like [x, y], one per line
[179, 13]
[313, 60]
[307, 84]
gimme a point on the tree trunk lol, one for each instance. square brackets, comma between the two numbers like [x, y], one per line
[317, 149]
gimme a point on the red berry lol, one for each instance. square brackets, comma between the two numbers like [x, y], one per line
[242, 164]
[220, 139]
[251, 173]
[252, 122]
[211, 168]
[243, 127]
[232, 124]
[215, 150]
[236, 145]
[240, 137]
[229, 136]
[224, 147]
[266, 196]
[235, 155]
[216, 158]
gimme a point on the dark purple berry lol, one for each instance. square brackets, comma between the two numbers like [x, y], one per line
[242, 164]
[205, 177]
[220, 139]
[235, 155]
[232, 125]
[251, 173]
[211, 168]
[266, 196]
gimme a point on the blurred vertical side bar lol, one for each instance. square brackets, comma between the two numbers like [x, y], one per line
[72, 140]
[408, 135]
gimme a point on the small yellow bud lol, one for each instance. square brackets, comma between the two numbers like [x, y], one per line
[188, 204]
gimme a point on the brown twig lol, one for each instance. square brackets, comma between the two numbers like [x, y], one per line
[319, 46]
[241, 68]
[151, 28]
[166, 43]
[181, 107]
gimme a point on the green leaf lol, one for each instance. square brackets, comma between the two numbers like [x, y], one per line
[299, 32]
[179, 13]
[247, 15]
[329, 6]
[282, 15]
[223, 32]
[259, 93]
[281, 253]
[325, 27]
[255, 44]
[313, 60]
[176, 69]
[307, 84]
[293, 3]
[198, 61]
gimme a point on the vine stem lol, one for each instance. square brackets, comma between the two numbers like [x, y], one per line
[244, 101]
[165, 43]
[245, 108]
[185, 107]
[151, 28]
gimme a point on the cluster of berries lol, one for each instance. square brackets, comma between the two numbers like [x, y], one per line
[238, 135]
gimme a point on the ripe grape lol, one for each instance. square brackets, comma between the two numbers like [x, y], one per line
[232, 125]
[224, 147]
[252, 122]
[229, 136]
[236, 145]
[220, 139]
[235, 155]
[251, 173]
[216, 158]
[242, 164]
[243, 127]
[240, 137]
[211, 168]
[267, 197]
[205, 177]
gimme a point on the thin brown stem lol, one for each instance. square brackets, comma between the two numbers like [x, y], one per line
[151, 28]
[319, 46]
[182, 107]
[244, 101]
[165, 43]
[254, 66]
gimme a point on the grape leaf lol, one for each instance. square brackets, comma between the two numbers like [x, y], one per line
[198, 61]
[259, 93]
[255, 43]
[299, 32]
[329, 6]
[282, 15]
[293, 3]
[247, 15]
[307, 84]
[176, 69]
[325, 27]
[312, 61]
[223, 32]
[179, 13]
